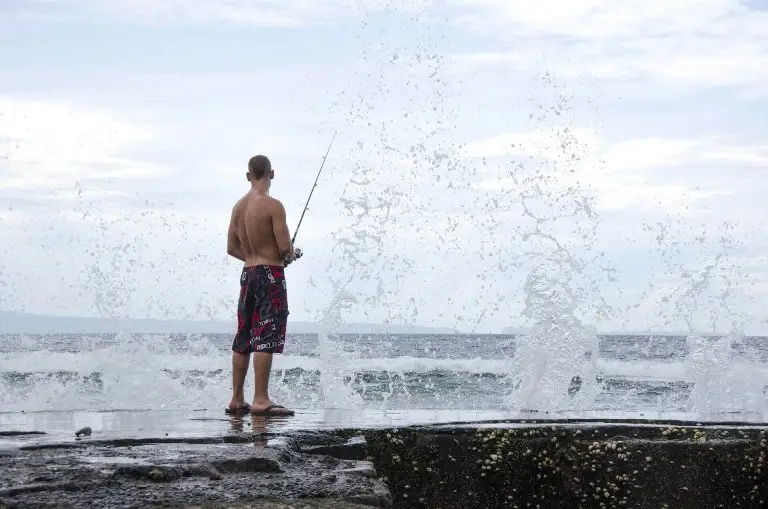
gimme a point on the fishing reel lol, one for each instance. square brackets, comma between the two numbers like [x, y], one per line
[297, 253]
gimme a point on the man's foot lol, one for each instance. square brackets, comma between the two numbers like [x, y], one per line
[237, 408]
[270, 409]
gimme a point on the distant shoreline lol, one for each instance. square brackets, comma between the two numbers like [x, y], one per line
[26, 323]
[12, 322]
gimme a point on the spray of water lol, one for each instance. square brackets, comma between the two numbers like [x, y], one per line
[700, 274]
[555, 364]
[387, 159]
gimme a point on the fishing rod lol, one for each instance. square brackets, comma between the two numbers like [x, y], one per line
[306, 206]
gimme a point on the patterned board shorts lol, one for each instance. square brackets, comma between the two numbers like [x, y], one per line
[262, 311]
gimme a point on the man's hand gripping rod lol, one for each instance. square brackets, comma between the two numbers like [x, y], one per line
[297, 251]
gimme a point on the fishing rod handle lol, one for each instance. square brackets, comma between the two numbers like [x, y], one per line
[297, 253]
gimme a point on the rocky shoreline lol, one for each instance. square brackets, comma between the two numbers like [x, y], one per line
[227, 471]
[466, 465]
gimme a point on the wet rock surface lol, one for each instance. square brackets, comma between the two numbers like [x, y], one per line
[483, 465]
[232, 471]
[552, 466]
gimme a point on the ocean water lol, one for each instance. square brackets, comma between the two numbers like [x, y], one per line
[706, 378]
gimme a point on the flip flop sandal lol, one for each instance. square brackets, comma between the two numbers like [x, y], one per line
[267, 411]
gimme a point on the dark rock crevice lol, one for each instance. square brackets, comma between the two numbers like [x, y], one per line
[136, 442]
[247, 465]
[20, 433]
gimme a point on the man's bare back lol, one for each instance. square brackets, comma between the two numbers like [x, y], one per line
[260, 231]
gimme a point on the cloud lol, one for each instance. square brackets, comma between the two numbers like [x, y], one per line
[53, 144]
[539, 142]
[655, 152]
[631, 154]
[597, 19]
[654, 173]
[256, 13]
[694, 43]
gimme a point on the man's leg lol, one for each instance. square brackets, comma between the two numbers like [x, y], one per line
[269, 337]
[241, 343]
[274, 335]
[262, 366]
[239, 371]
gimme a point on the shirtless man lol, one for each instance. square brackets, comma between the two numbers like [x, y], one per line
[258, 235]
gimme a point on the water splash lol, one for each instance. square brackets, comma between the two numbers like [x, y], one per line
[366, 276]
[334, 361]
[702, 275]
[555, 365]
[721, 382]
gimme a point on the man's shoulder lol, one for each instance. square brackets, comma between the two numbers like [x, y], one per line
[239, 204]
[263, 202]
[273, 203]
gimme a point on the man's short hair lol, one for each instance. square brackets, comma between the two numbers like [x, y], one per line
[259, 166]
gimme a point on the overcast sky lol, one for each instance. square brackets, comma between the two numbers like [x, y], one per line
[474, 137]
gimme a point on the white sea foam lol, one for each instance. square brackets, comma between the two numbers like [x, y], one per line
[152, 372]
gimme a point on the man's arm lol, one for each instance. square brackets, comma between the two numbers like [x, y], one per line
[280, 230]
[234, 247]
